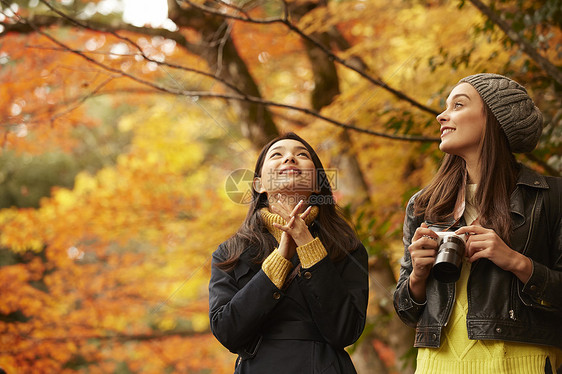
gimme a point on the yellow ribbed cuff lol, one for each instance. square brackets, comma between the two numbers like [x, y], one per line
[311, 253]
[276, 267]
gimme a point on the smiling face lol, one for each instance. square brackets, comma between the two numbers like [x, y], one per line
[287, 168]
[463, 123]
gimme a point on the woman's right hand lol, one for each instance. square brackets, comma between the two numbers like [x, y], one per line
[287, 246]
[422, 252]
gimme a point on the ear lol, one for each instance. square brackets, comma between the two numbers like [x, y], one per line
[256, 184]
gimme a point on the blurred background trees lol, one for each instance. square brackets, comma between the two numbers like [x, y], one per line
[118, 139]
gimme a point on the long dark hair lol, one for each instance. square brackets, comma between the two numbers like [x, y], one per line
[335, 233]
[497, 181]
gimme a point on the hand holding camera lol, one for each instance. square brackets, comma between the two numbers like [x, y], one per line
[423, 250]
[485, 243]
[437, 247]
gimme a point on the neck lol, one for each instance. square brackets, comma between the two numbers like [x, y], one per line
[474, 170]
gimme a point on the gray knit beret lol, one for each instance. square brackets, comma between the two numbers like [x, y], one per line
[519, 118]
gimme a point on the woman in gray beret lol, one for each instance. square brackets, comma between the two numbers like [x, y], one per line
[481, 276]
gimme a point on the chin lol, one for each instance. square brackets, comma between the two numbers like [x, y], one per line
[447, 148]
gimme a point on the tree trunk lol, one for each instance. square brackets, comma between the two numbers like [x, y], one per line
[221, 55]
[352, 184]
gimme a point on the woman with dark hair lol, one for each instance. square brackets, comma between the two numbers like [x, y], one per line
[504, 313]
[288, 292]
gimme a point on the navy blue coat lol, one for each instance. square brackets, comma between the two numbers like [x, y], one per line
[302, 329]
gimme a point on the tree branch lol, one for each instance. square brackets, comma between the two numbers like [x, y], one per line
[102, 28]
[195, 95]
[551, 69]
[285, 21]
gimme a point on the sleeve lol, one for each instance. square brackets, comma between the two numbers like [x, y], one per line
[544, 287]
[337, 295]
[311, 253]
[276, 267]
[407, 309]
[237, 314]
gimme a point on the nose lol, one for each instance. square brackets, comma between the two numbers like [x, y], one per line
[289, 158]
[442, 117]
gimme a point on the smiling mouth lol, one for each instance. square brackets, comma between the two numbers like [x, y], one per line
[447, 131]
[290, 172]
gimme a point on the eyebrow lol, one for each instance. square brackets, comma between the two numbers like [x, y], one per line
[282, 147]
[460, 94]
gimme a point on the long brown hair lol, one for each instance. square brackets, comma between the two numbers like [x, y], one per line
[497, 181]
[337, 236]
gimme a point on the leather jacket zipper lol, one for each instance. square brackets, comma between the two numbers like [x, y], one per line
[531, 225]
[517, 285]
[450, 305]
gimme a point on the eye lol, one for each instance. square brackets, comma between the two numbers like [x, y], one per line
[304, 154]
[457, 105]
[275, 154]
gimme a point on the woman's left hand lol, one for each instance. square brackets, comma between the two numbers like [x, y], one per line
[296, 226]
[485, 243]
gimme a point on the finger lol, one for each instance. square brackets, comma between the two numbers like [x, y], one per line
[424, 253]
[280, 206]
[291, 222]
[425, 242]
[479, 240]
[297, 208]
[474, 248]
[424, 232]
[281, 227]
[473, 229]
[306, 212]
[278, 209]
[477, 255]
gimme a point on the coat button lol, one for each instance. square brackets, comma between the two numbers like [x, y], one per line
[434, 336]
[533, 288]
[537, 183]
[276, 295]
[307, 275]
[498, 330]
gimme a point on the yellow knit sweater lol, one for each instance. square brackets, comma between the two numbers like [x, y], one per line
[460, 355]
[277, 267]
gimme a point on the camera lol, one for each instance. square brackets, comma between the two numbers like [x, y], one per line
[451, 249]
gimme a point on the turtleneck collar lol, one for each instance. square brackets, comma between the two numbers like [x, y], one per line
[270, 218]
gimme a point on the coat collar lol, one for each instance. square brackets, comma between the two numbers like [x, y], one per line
[531, 178]
[527, 179]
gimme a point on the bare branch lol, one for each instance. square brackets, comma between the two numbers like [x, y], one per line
[162, 32]
[195, 95]
[285, 21]
[64, 20]
[551, 69]
[82, 100]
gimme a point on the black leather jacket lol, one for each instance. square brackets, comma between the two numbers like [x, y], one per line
[500, 306]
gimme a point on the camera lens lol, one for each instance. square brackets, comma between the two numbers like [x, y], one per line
[448, 262]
